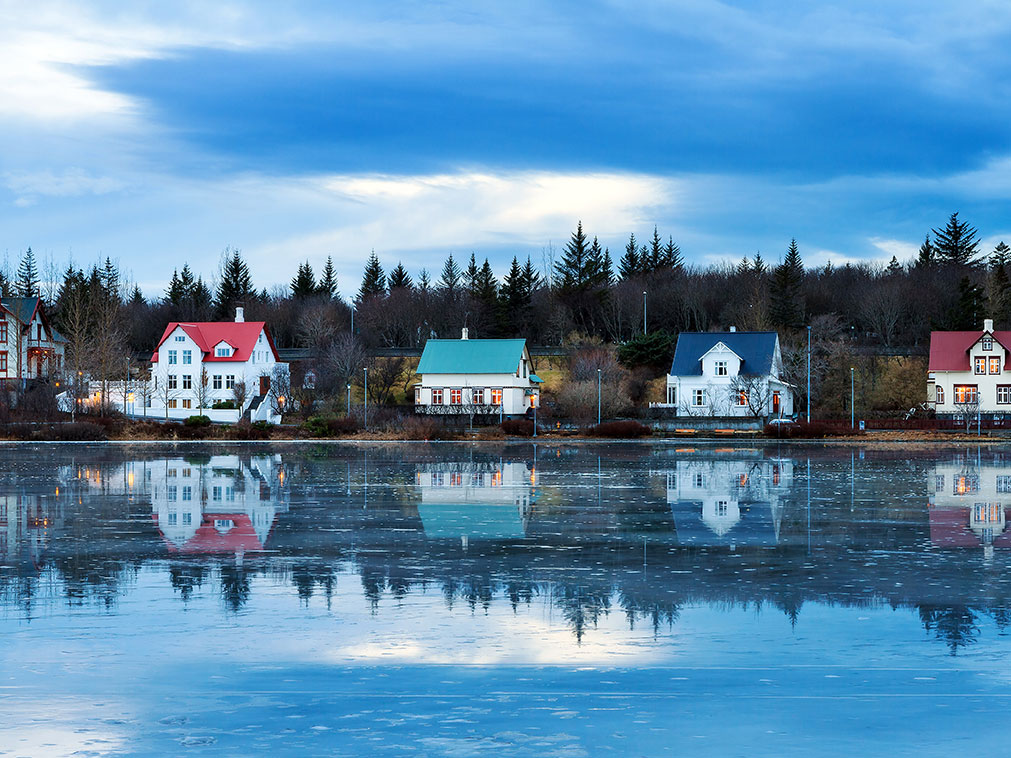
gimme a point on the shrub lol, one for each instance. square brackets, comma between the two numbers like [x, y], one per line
[79, 431]
[425, 428]
[808, 431]
[518, 427]
[197, 421]
[330, 426]
[620, 430]
[224, 405]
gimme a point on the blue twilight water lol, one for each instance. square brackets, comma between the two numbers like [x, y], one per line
[429, 599]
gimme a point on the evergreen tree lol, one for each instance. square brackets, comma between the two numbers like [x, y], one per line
[628, 266]
[595, 274]
[27, 282]
[328, 280]
[656, 259]
[235, 286]
[894, 267]
[1001, 255]
[201, 296]
[968, 309]
[424, 281]
[373, 280]
[470, 276]
[672, 256]
[400, 278]
[957, 243]
[607, 273]
[927, 256]
[514, 299]
[5, 285]
[786, 307]
[137, 297]
[450, 280]
[486, 289]
[571, 270]
[1000, 295]
[186, 281]
[744, 267]
[303, 284]
[175, 293]
[110, 279]
[531, 277]
[758, 264]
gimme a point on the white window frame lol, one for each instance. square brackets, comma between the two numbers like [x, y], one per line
[698, 398]
[939, 395]
[721, 368]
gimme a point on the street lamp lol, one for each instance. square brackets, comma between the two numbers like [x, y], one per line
[644, 313]
[598, 397]
[349, 400]
[852, 411]
[365, 407]
[352, 319]
[809, 374]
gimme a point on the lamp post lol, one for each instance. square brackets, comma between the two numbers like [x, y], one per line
[349, 401]
[536, 398]
[598, 397]
[809, 375]
[644, 313]
[365, 407]
[352, 319]
[852, 410]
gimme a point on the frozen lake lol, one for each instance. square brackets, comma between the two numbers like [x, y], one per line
[429, 599]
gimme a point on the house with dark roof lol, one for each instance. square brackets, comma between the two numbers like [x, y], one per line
[728, 374]
[968, 372]
[476, 377]
[30, 348]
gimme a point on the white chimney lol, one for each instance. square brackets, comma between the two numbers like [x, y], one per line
[240, 315]
[988, 325]
[464, 333]
[733, 328]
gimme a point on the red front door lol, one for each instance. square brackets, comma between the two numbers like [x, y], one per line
[775, 403]
[264, 385]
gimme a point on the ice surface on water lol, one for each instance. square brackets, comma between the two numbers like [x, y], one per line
[549, 600]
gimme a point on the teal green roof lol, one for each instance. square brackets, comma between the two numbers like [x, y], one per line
[471, 357]
[477, 521]
[535, 378]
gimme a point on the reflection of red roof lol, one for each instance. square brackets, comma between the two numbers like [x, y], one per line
[949, 351]
[207, 539]
[241, 335]
[949, 527]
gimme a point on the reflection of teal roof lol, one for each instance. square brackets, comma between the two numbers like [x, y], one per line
[472, 520]
[471, 357]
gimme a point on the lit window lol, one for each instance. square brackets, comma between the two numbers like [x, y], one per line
[940, 395]
[436, 397]
[995, 365]
[742, 397]
[496, 397]
[698, 398]
[966, 394]
[455, 397]
[721, 368]
[964, 484]
[172, 357]
[979, 364]
[173, 404]
[455, 479]
[1004, 394]
[417, 395]
[477, 397]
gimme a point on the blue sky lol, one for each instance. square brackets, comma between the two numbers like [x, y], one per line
[167, 132]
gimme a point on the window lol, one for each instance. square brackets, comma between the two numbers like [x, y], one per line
[417, 395]
[742, 397]
[939, 395]
[979, 364]
[230, 382]
[180, 338]
[988, 343]
[172, 519]
[987, 512]
[722, 507]
[172, 383]
[672, 395]
[216, 382]
[496, 397]
[187, 382]
[38, 334]
[187, 357]
[187, 493]
[3, 361]
[1004, 394]
[172, 493]
[436, 397]
[966, 393]
[223, 352]
[215, 493]
[964, 484]
[172, 357]
[223, 524]
[995, 365]
[3, 331]
[721, 368]
[187, 518]
[455, 479]
[187, 473]
[939, 483]
[698, 398]
[173, 404]
[187, 403]
[699, 480]
[1004, 484]
[455, 397]
[477, 397]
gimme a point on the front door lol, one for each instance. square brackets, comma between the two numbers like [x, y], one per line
[775, 403]
[264, 385]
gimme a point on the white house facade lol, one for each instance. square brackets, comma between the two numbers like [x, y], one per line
[968, 372]
[969, 504]
[199, 365]
[476, 377]
[29, 346]
[728, 374]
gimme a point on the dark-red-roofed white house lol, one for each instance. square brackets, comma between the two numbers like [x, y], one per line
[968, 372]
[206, 367]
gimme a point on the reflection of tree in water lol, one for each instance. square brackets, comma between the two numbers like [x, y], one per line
[473, 590]
[186, 577]
[581, 606]
[234, 586]
[88, 577]
[954, 624]
[656, 612]
[519, 592]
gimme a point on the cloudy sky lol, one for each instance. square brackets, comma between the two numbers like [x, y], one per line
[160, 133]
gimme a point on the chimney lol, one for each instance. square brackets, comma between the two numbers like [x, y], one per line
[988, 325]
[240, 315]
[464, 333]
[733, 329]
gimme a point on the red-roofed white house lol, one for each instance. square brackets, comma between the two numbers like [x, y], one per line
[198, 364]
[970, 372]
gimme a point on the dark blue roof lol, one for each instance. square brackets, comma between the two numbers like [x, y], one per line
[756, 350]
[755, 527]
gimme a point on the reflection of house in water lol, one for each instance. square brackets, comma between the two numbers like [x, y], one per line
[26, 522]
[968, 503]
[476, 500]
[729, 502]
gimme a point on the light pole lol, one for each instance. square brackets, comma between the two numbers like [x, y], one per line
[809, 375]
[536, 398]
[598, 397]
[365, 406]
[352, 319]
[644, 313]
[349, 401]
[852, 411]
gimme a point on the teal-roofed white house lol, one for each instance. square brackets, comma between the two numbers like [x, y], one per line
[475, 377]
[728, 374]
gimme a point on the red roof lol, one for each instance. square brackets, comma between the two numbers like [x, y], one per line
[241, 335]
[949, 351]
[207, 539]
[949, 527]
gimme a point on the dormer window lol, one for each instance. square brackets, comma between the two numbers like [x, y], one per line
[988, 343]
[721, 368]
[223, 350]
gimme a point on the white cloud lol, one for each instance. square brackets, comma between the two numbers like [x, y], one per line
[72, 182]
[901, 249]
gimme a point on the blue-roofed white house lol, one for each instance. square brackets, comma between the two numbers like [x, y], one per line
[728, 374]
[476, 377]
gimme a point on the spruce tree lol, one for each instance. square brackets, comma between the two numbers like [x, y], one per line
[927, 256]
[470, 276]
[137, 297]
[424, 281]
[27, 282]
[656, 259]
[594, 273]
[1000, 295]
[957, 243]
[110, 279]
[373, 280]
[628, 266]
[303, 284]
[328, 280]
[450, 280]
[607, 274]
[672, 256]
[5, 285]
[894, 267]
[486, 289]
[786, 304]
[1001, 255]
[399, 278]
[966, 314]
[570, 271]
[514, 299]
[235, 286]
[201, 296]
[175, 292]
[531, 278]
[758, 264]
